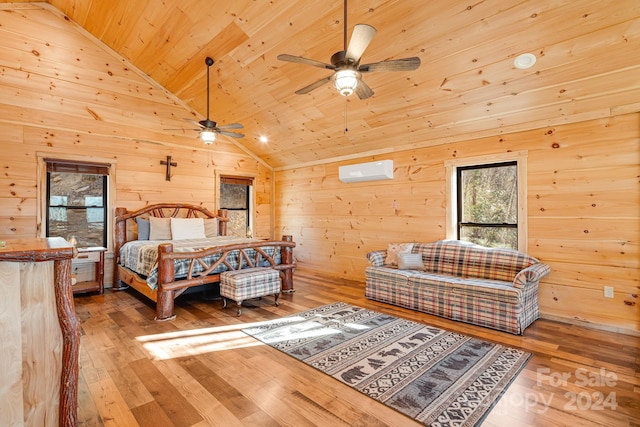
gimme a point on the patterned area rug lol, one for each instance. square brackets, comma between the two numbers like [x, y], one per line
[436, 377]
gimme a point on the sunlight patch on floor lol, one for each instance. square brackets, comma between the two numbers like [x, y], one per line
[310, 330]
[192, 342]
[198, 341]
[304, 328]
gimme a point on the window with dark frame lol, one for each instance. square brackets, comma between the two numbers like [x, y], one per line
[488, 204]
[235, 196]
[77, 201]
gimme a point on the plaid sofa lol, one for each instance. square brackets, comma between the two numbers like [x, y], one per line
[495, 288]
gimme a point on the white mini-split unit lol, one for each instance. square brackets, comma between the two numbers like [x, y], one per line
[372, 171]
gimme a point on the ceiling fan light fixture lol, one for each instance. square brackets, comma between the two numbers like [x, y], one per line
[207, 136]
[346, 81]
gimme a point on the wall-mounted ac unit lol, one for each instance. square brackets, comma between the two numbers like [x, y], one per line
[372, 171]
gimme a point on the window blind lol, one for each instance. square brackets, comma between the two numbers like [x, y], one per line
[238, 180]
[68, 166]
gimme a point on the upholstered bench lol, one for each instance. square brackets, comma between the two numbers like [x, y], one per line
[246, 283]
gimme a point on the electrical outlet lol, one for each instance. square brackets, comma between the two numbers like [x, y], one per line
[608, 291]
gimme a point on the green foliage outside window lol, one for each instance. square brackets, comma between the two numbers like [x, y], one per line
[488, 205]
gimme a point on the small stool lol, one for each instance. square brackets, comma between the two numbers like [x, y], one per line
[246, 283]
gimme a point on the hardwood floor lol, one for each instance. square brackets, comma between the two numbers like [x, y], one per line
[201, 370]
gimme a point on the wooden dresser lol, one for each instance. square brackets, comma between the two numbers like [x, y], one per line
[40, 334]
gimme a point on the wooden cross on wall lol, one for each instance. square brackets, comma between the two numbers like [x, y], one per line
[169, 163]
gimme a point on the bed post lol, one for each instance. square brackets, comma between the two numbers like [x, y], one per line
[223, 215]
[164, 303]
[120, 237]
[287, 258]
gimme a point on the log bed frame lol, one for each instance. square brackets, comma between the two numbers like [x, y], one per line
[170, 288]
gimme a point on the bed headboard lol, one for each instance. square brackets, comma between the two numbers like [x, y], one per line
[125, 220]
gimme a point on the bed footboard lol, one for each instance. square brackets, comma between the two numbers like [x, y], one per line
[169, 288]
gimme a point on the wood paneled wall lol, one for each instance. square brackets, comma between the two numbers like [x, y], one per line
[583, 212]
[63, 92]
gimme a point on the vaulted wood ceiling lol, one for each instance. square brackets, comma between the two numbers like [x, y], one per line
[588, 66]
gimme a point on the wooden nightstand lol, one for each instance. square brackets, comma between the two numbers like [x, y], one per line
[93, 255]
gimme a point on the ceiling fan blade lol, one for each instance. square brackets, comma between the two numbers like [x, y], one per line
[232, 134]
[194, 122]
[183, 129]
[231, 126]
[313, 86]
[305, 61]
[404, 64]
[363, 90]
[360, 39]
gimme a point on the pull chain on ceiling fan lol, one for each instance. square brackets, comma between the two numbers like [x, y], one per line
[347, 77]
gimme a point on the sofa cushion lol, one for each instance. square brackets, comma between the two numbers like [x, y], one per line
[493, 290]
[464, 259]
[389, 275]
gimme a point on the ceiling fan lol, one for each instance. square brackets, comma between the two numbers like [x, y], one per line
[347, 77]
[208, 128]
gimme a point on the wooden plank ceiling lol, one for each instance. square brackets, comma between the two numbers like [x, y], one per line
[588, 66]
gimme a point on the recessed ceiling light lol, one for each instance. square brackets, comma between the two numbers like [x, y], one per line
[524, 61]
[263, 138]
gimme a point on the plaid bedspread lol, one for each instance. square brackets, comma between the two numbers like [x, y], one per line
[141, 256]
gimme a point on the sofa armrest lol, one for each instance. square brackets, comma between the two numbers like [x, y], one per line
[531, 274]
[376, 258]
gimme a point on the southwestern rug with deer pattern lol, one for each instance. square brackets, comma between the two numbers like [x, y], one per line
[434, 376]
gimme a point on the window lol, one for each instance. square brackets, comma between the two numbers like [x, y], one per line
[487, 211]
[76, 201]
[235, 197]
[486, 200]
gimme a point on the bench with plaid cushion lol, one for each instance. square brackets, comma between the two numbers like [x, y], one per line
[491, 287]
[240, 285]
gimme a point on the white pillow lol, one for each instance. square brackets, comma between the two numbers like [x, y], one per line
[187, 228]
[394, 249]
[409, 261]
[159, 228]
[211, 227]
